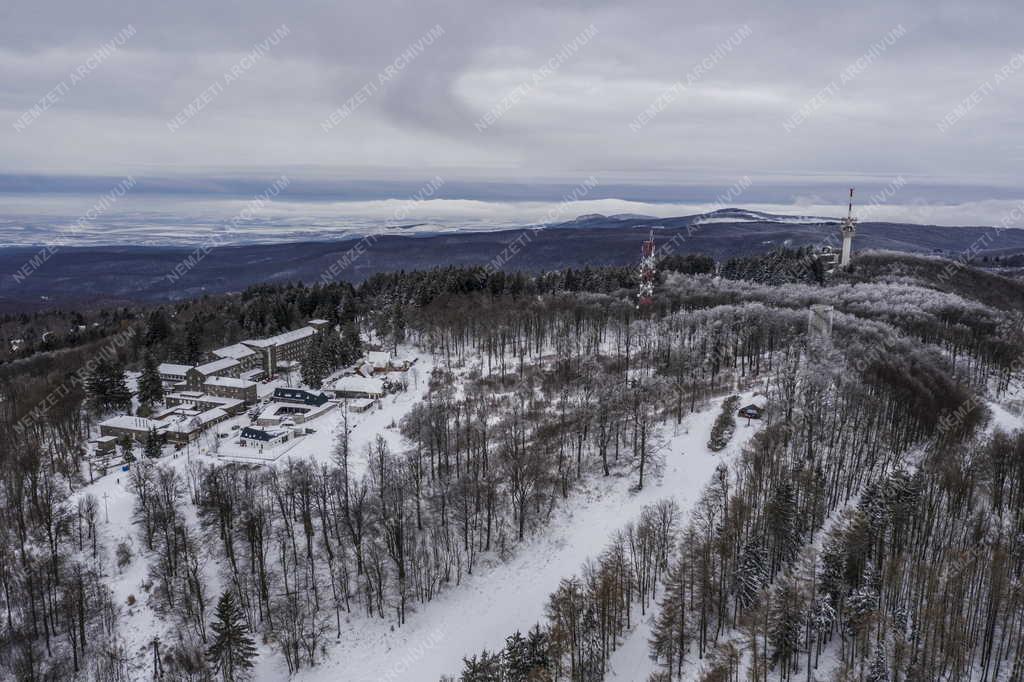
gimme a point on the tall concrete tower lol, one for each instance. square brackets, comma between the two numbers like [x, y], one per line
[819, 321]
[849, 229]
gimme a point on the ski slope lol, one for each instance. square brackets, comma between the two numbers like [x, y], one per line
[512, 595]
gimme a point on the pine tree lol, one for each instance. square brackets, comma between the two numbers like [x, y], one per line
[823, 616]
[314, 364]
[333, 351]
[751, 574]
[831, 582]
[151, 388]
[670, 637]
[879, 670]
[538, 648]
[233, 650]
[153, 447]
[127, 446]
[351, 344]
[782, 524]
[397, 325]
[486, 668]
[193, 341]
[106, 387]
[725, 424]
[862, 603]
[158, 329]
[517, 658]
[786, 623]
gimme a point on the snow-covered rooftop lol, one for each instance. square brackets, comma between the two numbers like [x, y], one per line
[282, 338]
[236, 351]
[358, 384]
[171, 368]
[127, 421]
[379, 358]
[230, 382]
[217, 366]
[192, 423]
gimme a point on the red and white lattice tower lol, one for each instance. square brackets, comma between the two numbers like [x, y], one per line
[648, 274]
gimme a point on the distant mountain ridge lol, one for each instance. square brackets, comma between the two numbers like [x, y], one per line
[113, 274]
[721, 215]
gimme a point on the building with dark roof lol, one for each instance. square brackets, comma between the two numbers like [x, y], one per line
[299, 396]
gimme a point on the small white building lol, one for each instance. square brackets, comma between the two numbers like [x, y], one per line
[361, 404]
[354, 386]
[128, 425]
[381, 360]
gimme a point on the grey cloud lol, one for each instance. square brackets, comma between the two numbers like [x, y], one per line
[729, 123]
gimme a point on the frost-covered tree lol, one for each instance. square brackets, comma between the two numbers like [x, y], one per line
[516, 658]
[725, 424]
[879, 670]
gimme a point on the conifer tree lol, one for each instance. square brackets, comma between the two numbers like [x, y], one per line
[751, 574]
[233, 650]
[351, 344]
[671, 635]
[151, 388]
[786, 623]
[725, 424]
[485, 668]
[127, 446]
[879, 670]
[781, 515]
[517, 658]
[538, 650]
[106, 387]
[158, 329]
[314, 364]
[153, 447]
[193, 341]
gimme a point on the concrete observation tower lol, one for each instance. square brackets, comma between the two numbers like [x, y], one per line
[849, 229]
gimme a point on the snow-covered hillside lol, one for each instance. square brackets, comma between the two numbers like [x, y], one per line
[505, 596]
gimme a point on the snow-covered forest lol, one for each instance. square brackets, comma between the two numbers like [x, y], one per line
[564, 492]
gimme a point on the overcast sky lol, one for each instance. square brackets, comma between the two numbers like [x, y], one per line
[892, 114]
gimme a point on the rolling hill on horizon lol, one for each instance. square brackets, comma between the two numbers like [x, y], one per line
[112, 274]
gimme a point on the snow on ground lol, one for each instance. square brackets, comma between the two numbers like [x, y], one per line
[1004, 419]
[512, 595]
[365, 426]
[138, 624]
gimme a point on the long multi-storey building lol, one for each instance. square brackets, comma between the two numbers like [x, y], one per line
[248, 361]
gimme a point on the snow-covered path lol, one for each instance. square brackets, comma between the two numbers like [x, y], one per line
[488, 606]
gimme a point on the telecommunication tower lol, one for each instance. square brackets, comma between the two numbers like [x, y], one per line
[849, 229]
